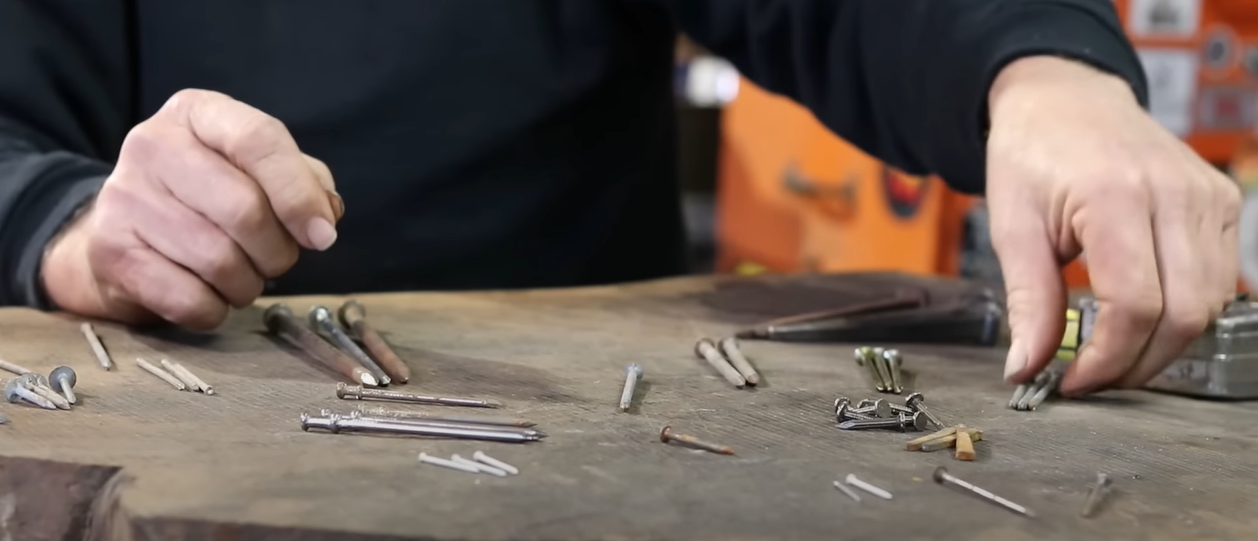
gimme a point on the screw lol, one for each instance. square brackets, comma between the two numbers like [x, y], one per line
[892, 357]
[843, 412]
[39, 385]
[63, 379]
[667, 435]
[914, 402]
[15, 392]
[633, 373]
[915, 422]
[707, 351]
[729, 346]
[944, 478]
[879, 409]
[321, 319]
[357, 392]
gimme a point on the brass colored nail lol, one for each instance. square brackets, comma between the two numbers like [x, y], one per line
[667, 435]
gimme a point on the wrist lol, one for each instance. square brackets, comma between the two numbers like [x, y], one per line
[64, 273]
[1035, 74]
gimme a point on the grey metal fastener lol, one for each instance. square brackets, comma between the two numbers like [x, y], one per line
[707, 351]
[633, 374]
[944, 478]
[358, 392]
[486, 459]
[422, 415]
[667, 435]
[447, 424]
[1040, 380]
[161, 374]
[865, 357]
[336, 423]
[444, 463]
[916, 422]
[1018, 392]
[484, 468]
[849, 492]
[729, 346]
[14, 367]
[63, 380]
[856, 482]
[843, 412]
[1095, 495]
[321, 320]
[879, 408]
[1040, 396]
[98, 348]
[915, 402]
[15, 392]
[894, 363]
[884, 370]
[39, 385]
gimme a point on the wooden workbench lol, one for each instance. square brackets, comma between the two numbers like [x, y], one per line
[138, 460]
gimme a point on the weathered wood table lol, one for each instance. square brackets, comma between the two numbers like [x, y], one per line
[138, 460]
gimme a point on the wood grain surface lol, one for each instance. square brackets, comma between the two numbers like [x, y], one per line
[137, 460]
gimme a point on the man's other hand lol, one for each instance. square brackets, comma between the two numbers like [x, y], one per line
[1074, 164]
[209, 198]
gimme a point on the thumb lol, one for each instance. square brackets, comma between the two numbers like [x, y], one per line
[1035, 296]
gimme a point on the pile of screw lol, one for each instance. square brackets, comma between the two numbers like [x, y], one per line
[1028, 397]
[176, 375]
[729, 361]
[462, 428]
[479, 463]
[878, 413]
[53, 392]
[883, 367]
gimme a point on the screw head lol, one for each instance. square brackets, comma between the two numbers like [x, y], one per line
[62, 375]
[666, 434]
[841, 400]
[882, 408]
[342, 390]
[912, 399]
[10, 390]
[917, 422]
[840, 412]
[940, 475]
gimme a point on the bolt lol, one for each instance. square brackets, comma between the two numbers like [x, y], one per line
[914, 402]
[944, 478]
[14, 392]
[884, 369]
[667, 435]
[915, 422]
[707, 351]
[321, 320]
[879, 409]
[729, 346]
[865, 357]
[843, 412]
[63, 380]
[892, 357]
[633, 373]
[357, 392]
[39, 385]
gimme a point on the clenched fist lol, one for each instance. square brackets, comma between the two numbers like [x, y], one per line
[209, 198]
[1074, 164]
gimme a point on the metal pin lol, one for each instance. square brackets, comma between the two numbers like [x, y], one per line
[188, 382]
[944, 478]
[1018, 392]
[865, 357]
[893, 361]
[321, 320]
[486, 459]
[1096, 495]
[470, 419]
[15, 368]
[436, 461]
[852, 480]
[707, 351]
[633, 374]
[63, 380]
[667, 435]
[1040, 396]
[445, 424]
[14, 391]
[884, 370]
[336, 423]
[191, 380]
[98, 348]
[1041, 379]
[850, 493]
[485, 468]
[729, 346]
[357, 392]
[165, 376]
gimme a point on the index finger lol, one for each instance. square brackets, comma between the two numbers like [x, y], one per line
[261, 146]
[1123, 270]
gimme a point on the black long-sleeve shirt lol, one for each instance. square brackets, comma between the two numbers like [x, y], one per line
[497, 143]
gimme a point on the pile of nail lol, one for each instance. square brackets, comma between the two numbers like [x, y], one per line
[728, 360]
[479, 463]
[883, 367]
[176, 375]
[1028, 397]
[958, 437]
[53, 392]
[468, 428]
[880, 414]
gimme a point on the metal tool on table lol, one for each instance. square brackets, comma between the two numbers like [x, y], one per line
[445, 424]
[336, 423]
[667, 436]
[354, 317]
[357, 392]
[323, 324]
[908, 316]
[944, 478]
[280, 321]
[423, 415]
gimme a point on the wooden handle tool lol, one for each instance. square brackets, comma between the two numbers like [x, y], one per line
[354, 317]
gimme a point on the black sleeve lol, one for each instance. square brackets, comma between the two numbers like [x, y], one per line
[64, 110]
[905, 80]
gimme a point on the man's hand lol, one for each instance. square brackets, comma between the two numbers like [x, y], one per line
[1075, 164]
[209, 198]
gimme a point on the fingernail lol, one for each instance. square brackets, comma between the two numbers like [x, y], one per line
[338, 205]
[1016, 361]
[321, 233]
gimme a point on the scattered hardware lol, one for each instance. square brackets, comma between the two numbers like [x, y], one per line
[915, 403]
[358, 392]
[879, 413]
[734, 353]
[444, 424]
[486, 459]
[1028, 397]
[851, 479]
[39, 385]
[891, 358]
[280, 321]
[161, 374]
[15, 391]
[323, 324]
[849, 492]
[479, 463]
[633, 374]
[63, 380]
[944, 478]
[188, 381]
[883, 366]
[336, 423]
[707, 351]
[476, 420]
[182, 372]
[425, 458]
[1096, 495]
[15, 368]
[354, 317]
[98, 348]
[483, 468]
[667, 435]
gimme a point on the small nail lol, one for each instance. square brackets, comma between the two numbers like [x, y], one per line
[338, 204]
[1016, 361]
[321, 233]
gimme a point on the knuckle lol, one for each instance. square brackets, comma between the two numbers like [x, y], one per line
[192, 310]
[219, 261]
[145, 141]
[248, 213]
